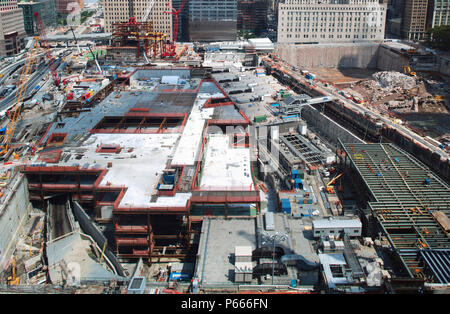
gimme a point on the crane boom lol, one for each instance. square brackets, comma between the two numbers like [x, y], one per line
[20, 94]
[334, 179]
[148, 11]
[45, 45]
[76, 42]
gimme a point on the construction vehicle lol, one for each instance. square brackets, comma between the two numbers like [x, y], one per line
[14, 112]
[45, 45]
[96, 60]
[329, 188]
[413, 91]
[13, 279]
[407, 70]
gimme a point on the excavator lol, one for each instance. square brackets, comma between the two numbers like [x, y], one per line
[13, 279]
[329, 188]
[407, 70]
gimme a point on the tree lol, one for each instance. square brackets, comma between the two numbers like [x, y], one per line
[439, 37]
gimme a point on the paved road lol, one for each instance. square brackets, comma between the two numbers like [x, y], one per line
[34, 80]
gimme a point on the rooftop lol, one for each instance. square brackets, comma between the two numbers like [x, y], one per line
[226, 166]
[336, 223]
[219, 238]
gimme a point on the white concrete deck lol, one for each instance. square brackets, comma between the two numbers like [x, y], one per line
[140, 173]
[226, 167]
[191, 139]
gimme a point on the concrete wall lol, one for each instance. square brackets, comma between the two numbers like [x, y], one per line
[443, 65]
[432, 160]
[363, 55]
[13, 214]
[89, 228]
[327, 127]
[388, 60]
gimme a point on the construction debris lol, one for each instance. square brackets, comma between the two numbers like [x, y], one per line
[392, 79]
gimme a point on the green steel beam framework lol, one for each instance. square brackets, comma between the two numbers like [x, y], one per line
[404, 193]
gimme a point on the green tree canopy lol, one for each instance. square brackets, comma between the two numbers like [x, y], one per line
[439, 37]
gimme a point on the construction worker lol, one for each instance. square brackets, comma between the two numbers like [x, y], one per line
[169, 269]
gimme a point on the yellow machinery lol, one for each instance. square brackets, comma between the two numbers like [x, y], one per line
[413, 91]
[13, 279]
[407, 70]
[329, 188]
[20, 94]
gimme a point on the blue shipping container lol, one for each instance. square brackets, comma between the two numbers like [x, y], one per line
[293, 283]
[180, 276]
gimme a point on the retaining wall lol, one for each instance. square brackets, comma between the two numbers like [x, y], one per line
[363, 55]
[328, 127]
[13, 215]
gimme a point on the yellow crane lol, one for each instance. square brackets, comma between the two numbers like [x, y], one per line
[13, 279]
[20, 94]
[407, 70]
[329, 187]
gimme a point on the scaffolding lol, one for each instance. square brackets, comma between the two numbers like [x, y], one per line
[404, 197]
[134, 34]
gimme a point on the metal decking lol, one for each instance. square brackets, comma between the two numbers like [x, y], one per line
[404, 195]
[304, 150]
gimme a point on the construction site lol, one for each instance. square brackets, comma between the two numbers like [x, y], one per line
[149, 166]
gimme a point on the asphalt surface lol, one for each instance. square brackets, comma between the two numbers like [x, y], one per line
[34, 80]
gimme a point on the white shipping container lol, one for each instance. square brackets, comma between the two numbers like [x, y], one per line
[270, 222]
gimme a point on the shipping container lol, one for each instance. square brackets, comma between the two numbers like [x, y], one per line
[270, 222]
[260, 118]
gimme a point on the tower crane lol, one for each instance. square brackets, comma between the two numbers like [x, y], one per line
[14, 112]
[44, 44]
[169, 51]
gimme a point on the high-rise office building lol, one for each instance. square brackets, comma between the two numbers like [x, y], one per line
[46, 10]
[414, 19]
[324, 21]
[438, 13]
[123, 10]
[212, 20]
[12, 32]
[252, 15]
